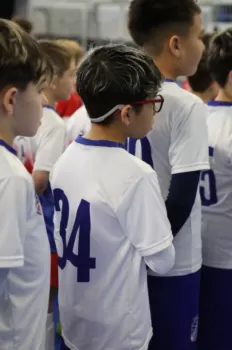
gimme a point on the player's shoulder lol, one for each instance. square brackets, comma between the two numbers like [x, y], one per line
[12, 167]
[51, 118]
[80, 113]
[79, 123]
[178, 99]
[219, 117]
[139, 165]
[51, 122]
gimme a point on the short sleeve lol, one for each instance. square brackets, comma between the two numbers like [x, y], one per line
[51, 145]
[13, 228]
[189, 141]
[142, 215]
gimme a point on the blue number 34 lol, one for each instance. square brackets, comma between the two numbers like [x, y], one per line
[82, 261]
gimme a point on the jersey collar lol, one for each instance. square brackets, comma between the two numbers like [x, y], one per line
[98, 143]
[8, 147]
[219, 103]
[50, 107]
[168, 80]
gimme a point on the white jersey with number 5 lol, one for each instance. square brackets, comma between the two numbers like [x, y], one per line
[178, 143]
[109, 216]
[216, 188]
[24, 258]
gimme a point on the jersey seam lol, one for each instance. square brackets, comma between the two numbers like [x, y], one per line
[162, 245]
[191, 167]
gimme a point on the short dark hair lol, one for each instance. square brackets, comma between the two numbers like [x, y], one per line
[202, 79]
[220, 57]
[22, 60]
[111, 75]
[24, 23]
[149, 20]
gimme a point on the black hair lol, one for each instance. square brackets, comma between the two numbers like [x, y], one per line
[220, 57]
[112, 75]
[148, 20]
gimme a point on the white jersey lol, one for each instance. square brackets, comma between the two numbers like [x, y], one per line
[47, 145]
[41, 153]
[178, 143]
[110, 215]
[216, 188]
[24, 252]
[79, 124]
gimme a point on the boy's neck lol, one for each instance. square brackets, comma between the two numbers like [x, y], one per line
[164, 66]
[50, 97]
[204, 96]
[224, 96]
[109, 133]
[6, 134]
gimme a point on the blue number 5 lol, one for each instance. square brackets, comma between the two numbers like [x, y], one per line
[82, 261]
[208, 175]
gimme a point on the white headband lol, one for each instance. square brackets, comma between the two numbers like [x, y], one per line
[104, 116]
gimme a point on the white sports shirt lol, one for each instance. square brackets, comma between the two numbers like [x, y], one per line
[178, 143]
[78, 124]
[42, 151]
[110, 215]
[216, 188]
[24, 252]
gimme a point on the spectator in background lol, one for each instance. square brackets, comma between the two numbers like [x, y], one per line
[24, 24]
[201, 83]
[66, 108]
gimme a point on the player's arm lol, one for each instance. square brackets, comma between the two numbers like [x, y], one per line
[143, 216]
[13, 206]
[188, 154]
[51, 146]
[181, 197]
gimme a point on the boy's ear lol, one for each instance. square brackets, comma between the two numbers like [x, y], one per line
[9, 99]
[127, 114]
[175, 45]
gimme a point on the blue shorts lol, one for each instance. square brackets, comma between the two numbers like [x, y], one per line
[63, 346]
[174, 303]
[215, 331]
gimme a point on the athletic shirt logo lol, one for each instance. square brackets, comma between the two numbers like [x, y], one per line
[194, 329]
[38, 205]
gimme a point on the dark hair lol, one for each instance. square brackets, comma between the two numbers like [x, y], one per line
[22, 61]
[220, 57]
[111, 75]
[24, 23]
[149, 20]
[202, 79]
[59, 55]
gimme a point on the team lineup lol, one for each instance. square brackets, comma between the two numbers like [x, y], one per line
[116, 211]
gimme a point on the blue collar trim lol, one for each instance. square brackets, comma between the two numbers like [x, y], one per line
[8, 147]
[98, 143]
